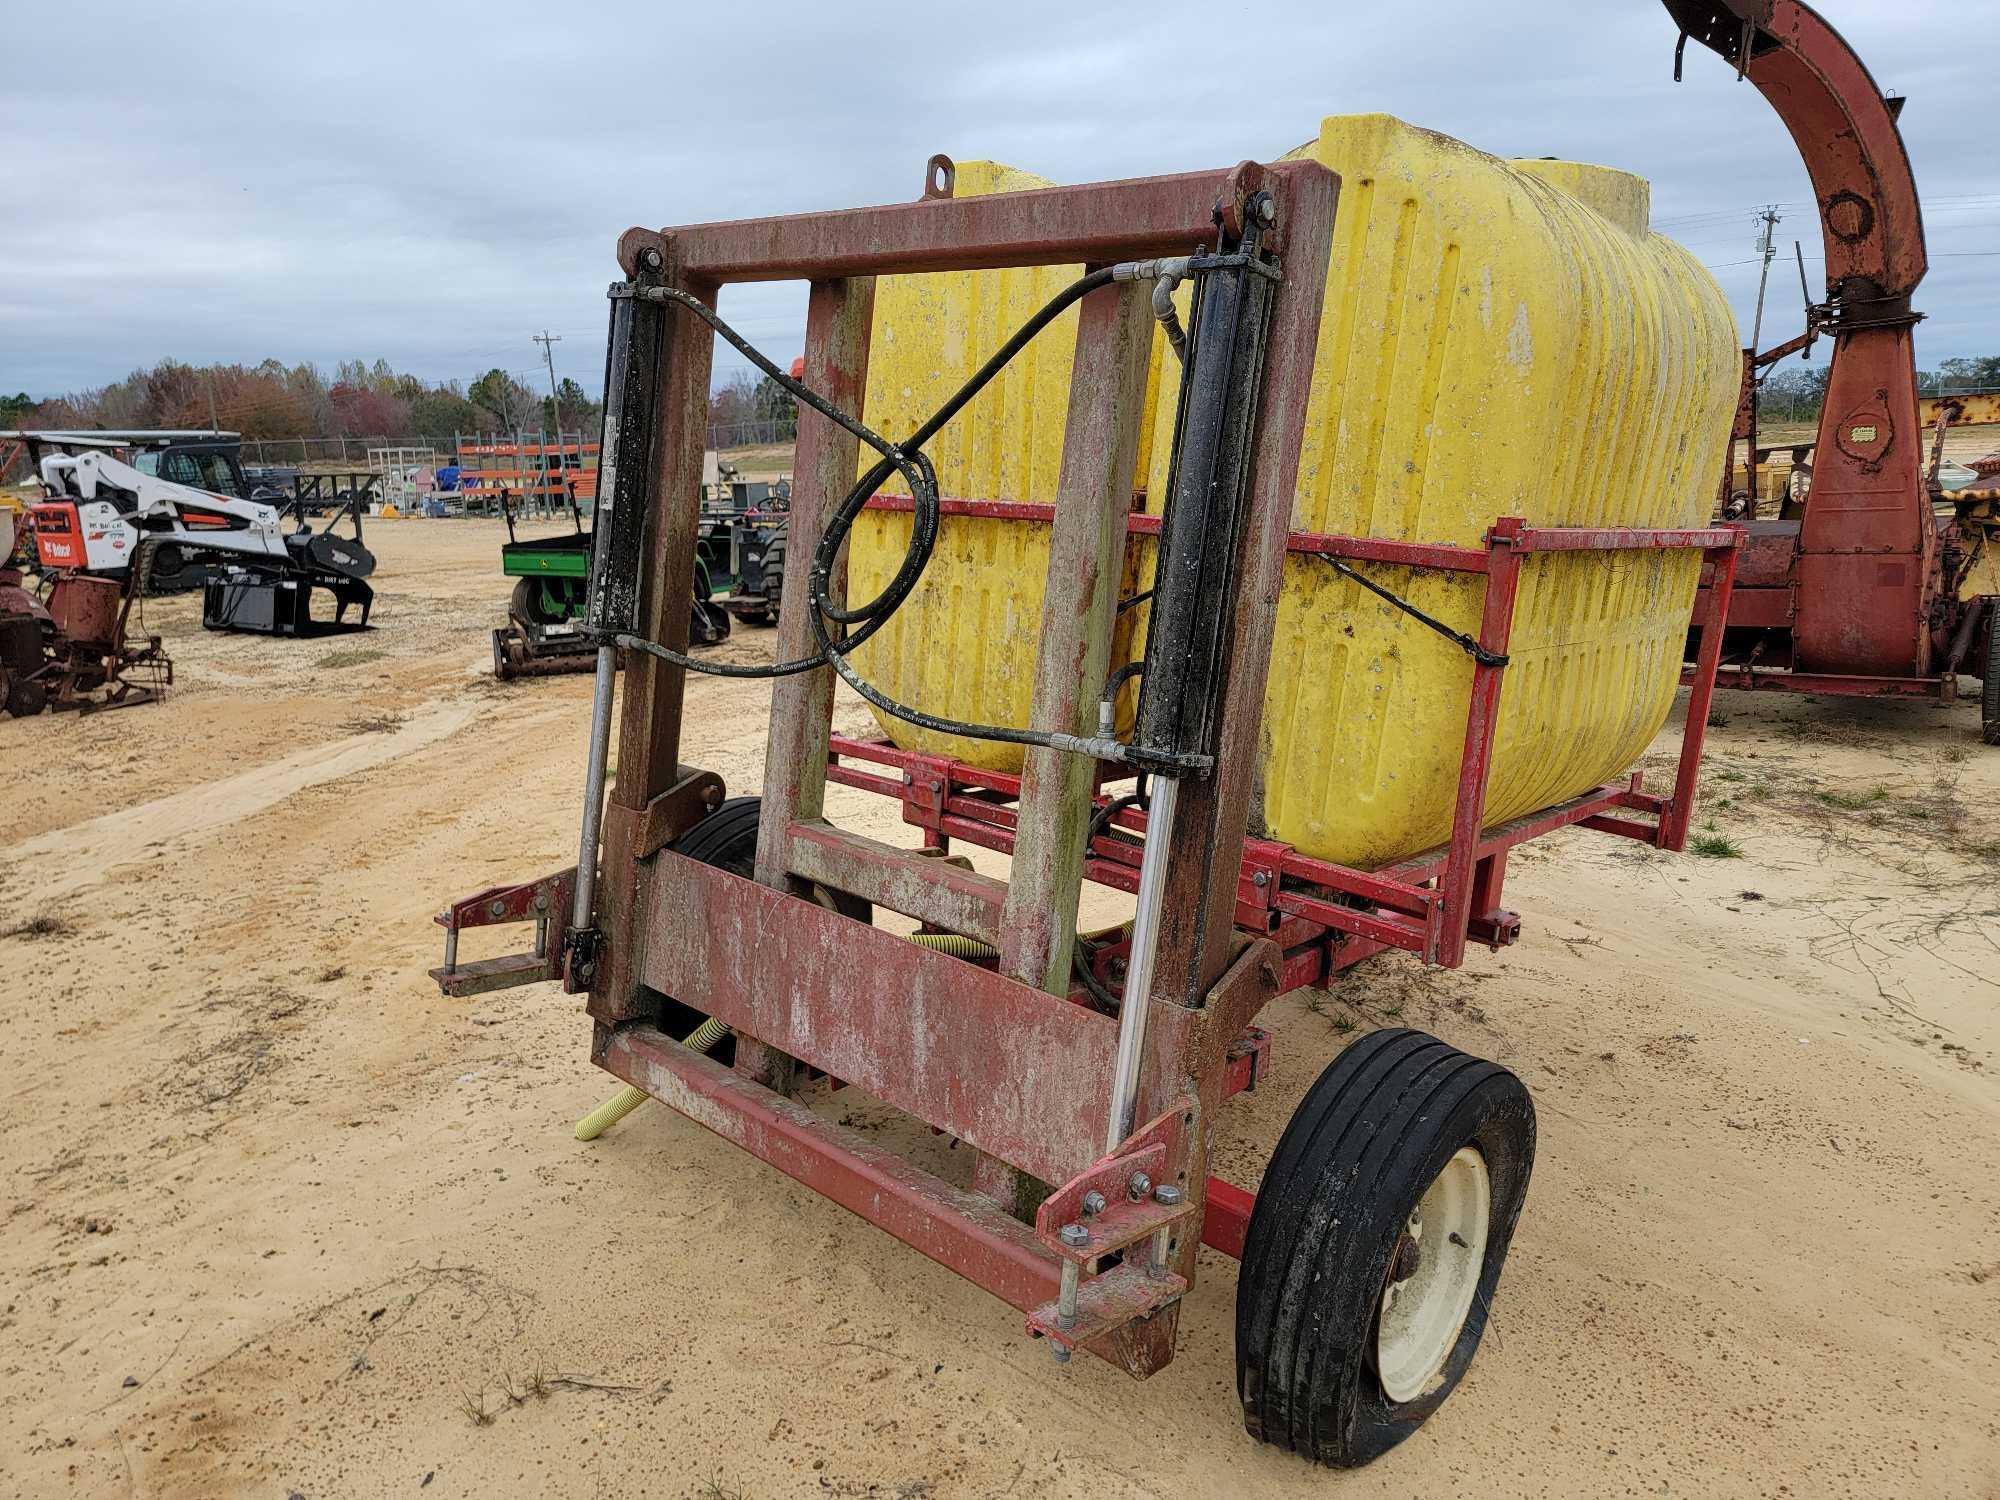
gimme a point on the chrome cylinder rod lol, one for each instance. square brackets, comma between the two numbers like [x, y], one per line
[1139, 966]
[593, 788]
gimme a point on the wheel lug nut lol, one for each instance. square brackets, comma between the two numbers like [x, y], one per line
[1405, 1264]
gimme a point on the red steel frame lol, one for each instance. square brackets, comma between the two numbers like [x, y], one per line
[1429, 905]
[999, 1055]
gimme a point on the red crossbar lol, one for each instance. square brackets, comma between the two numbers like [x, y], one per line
[1520, 537]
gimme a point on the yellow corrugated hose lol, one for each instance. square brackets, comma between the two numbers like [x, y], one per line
[956, 946]
[705, 1037]
[702, 1039]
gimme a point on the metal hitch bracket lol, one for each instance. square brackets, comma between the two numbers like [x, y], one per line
[1119, 1201]
[544, 902]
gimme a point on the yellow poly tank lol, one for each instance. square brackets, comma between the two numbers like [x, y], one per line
[1499, 338]
[963, 644]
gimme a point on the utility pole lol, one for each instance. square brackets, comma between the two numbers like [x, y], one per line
[548, 341]
[213, 425]
[1766, 250]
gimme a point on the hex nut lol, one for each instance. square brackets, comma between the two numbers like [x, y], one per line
[1093, 1202]
[1139, 1186]
[1075, 1236]
[1166, 1193]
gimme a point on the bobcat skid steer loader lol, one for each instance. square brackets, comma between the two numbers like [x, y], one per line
[255, 574]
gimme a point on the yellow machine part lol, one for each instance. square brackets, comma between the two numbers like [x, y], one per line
[1500, 338]
[1774, 483]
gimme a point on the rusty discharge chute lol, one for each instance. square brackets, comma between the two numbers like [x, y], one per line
[1851, 595]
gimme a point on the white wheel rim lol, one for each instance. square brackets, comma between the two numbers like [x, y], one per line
[1421, 1314]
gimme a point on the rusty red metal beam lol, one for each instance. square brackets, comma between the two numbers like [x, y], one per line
[1722, 559]
[1097, 224]
[1482, 724]
[928, 889]
[1437, 555]
[1835, 684]
[1622, 538]
[1388, 928]
[1020, 1074]
[961, 1230]
[1114, 342]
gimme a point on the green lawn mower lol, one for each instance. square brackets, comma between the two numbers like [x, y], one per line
[544, 631]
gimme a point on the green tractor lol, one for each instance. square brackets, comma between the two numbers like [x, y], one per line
[544, 631]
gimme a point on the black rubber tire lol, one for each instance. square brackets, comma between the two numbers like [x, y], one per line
[525, 605]
[1368, 1139]
[1989, 693]
[171, 571]
[774, 575]
[727, 839]
[26, 697]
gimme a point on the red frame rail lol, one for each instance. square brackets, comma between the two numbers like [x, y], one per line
[1431, 905]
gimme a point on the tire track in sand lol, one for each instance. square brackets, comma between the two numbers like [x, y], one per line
[65, 860]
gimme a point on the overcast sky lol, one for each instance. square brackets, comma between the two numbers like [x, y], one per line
[431, 184]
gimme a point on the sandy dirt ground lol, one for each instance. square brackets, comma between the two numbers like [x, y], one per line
[280, 1221]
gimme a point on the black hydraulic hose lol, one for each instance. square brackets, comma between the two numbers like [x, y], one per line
[907, 459]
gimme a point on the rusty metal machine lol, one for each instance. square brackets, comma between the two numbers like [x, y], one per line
[1872, 588]
[74, 653]
[728, 950]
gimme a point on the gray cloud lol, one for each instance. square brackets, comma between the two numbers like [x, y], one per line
[430, 183]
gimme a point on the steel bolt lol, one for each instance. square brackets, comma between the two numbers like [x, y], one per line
[496, 907]
[1093, 1202]
[1061, 1354]
[1261, 879]
[1166, 1193]
[1266, 209]
[1139, 1186]
[653, 259]
[1075, 1236]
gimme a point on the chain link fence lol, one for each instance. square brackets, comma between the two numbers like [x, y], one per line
[773, 430]
[340, 452]
[334, 453]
